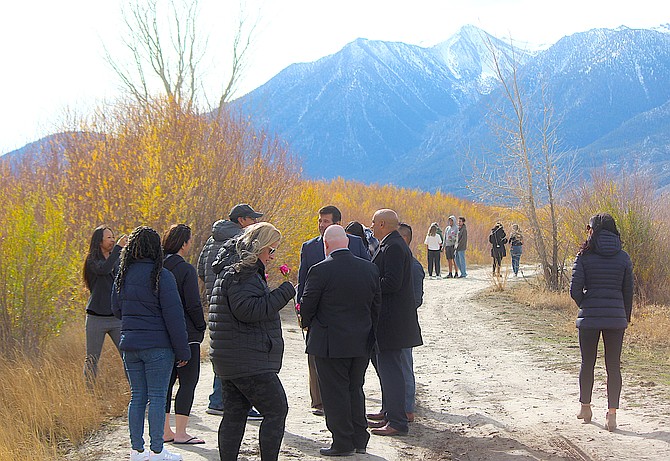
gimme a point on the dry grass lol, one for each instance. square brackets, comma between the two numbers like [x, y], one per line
[646, 350]
[45, 407]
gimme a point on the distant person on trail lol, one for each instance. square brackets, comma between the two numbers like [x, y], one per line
[176, 244]
[450, 237]
[516, 247]
[602, 287]
[241, 216]
[498, 240]
[433, 242]
[100, 268]
[461, 246]
[153, 338]
[247, 347]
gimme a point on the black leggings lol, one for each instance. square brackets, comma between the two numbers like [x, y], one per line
[266, 393]
[588, 345]
[433, 262]
[188, 378]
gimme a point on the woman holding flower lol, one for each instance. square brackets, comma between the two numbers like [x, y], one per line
[247, 344]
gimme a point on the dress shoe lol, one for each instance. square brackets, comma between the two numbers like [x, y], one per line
[317, 411]
[585, 413]
[333, 452]
[361, 451]
[410, 417]
[387, 430]
[377, 424]
[376, 416]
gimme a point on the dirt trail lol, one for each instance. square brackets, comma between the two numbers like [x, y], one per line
[485, 391]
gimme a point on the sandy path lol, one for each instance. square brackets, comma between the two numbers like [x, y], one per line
[485, 391]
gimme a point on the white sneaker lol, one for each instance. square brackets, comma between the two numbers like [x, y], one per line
[139, 456]
[165, 456]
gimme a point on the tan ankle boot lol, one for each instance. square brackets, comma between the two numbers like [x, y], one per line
[610, 421]
[585, 413]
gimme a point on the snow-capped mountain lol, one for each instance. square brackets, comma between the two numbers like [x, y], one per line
[392, 112]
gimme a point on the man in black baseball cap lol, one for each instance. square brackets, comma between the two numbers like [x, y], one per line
[241, 216]
[245, 212]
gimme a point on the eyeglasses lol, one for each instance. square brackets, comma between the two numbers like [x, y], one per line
[271, 250]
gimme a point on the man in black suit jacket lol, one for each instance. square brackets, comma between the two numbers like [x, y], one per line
[311, 253]
[340, 307]
[398, 321]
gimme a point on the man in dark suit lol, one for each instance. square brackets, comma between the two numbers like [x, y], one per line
[340, 307]
[311, 253]
[398, 321]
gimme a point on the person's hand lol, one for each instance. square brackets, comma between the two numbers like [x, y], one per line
[123, 241]
[181, 363]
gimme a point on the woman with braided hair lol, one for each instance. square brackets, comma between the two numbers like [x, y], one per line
[153, 337]
[247, 344]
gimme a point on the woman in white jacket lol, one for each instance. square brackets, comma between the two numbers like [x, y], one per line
[434, 243]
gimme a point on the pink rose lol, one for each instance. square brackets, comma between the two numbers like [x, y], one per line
[297, 308]
[284, 269]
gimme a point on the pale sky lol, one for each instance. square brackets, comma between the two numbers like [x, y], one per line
[52, 54]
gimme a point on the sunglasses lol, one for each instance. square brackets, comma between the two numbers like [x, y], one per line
[271, 250]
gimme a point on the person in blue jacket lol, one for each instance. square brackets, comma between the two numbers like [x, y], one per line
[153, 337]
[602, 287]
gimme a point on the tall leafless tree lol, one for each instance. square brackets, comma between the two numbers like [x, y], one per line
[166, 49]
[527, 170]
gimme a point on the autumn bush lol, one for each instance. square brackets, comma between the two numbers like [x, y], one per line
[128, 165]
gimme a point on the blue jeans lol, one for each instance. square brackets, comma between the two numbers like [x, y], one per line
[216, 397]
[149, 373]
[407, 363]
[460, 262]
[515, 251]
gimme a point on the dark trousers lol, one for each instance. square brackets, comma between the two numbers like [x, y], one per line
[588, 345]
[341, 381]
[188, 378]
[266, 393]
[392, 380]
[434, 262]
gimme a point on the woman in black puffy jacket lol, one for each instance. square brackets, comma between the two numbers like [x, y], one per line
[246, 342]
[602, 287]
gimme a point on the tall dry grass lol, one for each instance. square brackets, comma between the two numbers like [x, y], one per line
[45, 407]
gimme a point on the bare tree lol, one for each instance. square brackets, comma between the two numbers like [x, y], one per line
[166, 49]
[528, 170]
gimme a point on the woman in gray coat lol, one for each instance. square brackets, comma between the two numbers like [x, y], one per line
[602, 287]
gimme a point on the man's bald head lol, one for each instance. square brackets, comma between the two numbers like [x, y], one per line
[384, 222]
[335, 238]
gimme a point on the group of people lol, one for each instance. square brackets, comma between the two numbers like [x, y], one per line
[454, 241]
[357, 298]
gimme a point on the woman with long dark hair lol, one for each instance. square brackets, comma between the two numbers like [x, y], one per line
[153, 337]
[247, 345]
[176, 244]
[100, 268]
[602, 287]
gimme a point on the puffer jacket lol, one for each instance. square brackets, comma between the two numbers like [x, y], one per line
[222, 231]
[150, 319]
[187, 285]
[602, 284]
[244, 324]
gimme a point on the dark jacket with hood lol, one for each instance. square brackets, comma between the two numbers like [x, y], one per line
[222, 231]
[150, 319]
[244, 324]
[187, 285]
[498, 240]
[602, 284]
